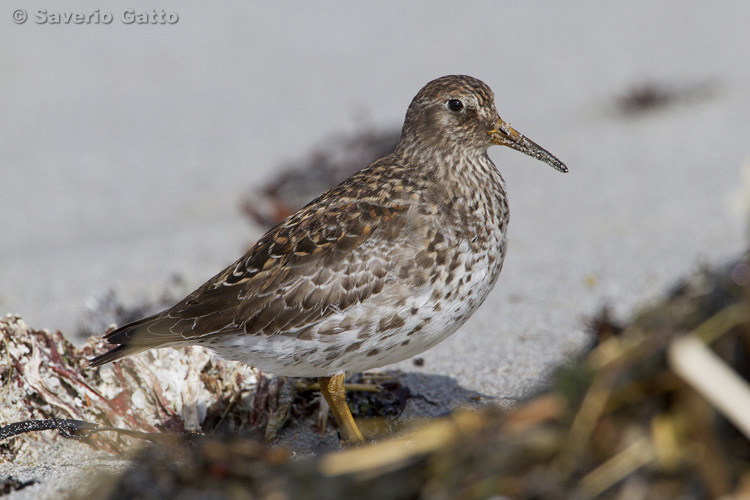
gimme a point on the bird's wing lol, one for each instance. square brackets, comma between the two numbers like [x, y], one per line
[322, 260]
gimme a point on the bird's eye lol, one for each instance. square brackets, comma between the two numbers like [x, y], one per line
[455, 105]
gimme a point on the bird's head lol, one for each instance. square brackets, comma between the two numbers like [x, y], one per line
[457, 113]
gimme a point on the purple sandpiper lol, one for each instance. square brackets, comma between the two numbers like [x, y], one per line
[376, 270]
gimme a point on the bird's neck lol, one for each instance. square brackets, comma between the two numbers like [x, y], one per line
[452, 166]
[458, 178]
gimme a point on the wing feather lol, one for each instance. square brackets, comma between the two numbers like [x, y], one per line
[318, 262]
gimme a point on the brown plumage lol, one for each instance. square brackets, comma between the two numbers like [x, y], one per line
[377, 269]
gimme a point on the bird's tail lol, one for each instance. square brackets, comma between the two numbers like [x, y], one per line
[133, 338]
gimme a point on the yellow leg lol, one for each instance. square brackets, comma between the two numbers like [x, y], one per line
[333, 390]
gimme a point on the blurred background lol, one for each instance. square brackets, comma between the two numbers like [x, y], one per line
[127, 151]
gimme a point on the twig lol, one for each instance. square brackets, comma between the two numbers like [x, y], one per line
[617, 468]
[712, 378]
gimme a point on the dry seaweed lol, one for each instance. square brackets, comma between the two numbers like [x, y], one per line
[647, 97]
[10, 483]
[43, 377]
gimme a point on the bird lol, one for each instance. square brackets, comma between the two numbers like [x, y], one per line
[376, 270]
